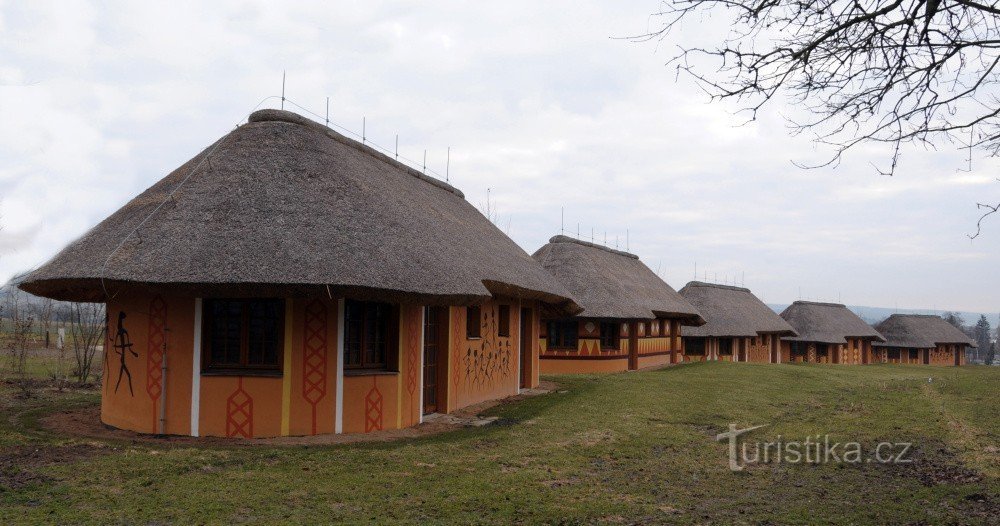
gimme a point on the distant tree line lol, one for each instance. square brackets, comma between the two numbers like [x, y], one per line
[41, 338]
[982, 333]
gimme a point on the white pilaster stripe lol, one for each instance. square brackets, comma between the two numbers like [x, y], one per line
[338, 417]
[196, 370]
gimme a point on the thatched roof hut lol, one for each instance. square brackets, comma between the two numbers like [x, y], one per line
[920, 331]
[610, 283]
[284, 206]
[732, 312]
[830, 323]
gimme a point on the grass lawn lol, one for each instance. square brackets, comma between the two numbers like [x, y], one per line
[624, 448]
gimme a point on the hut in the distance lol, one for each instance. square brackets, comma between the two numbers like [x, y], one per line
[739, 327]
[921, 339]
[291, 281]
[631, 318]
[827, 333]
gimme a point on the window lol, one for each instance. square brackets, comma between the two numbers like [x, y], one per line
[562, 334]
[243, 335]
[503, 323]
[609, 336]
[473, 318]
[725, 347]
[369, 331]
[694, 346]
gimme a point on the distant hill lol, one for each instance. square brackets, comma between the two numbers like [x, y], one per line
[874, 315]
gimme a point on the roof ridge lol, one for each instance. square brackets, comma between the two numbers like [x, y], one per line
[566, 239]
[716, 285]
[822, 303]
[272, 115]
[914, 315]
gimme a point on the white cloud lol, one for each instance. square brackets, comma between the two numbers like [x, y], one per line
[536, 100]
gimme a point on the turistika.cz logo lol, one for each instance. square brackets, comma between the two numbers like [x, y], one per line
[815, 449]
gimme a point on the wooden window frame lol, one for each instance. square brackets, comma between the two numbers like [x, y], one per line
[696, 347]
[473, 331]
[613, 330]
[208, 368]
[503, 321]
[558, 335]
[391, 364]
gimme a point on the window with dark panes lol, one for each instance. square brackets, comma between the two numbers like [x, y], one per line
[503, 321]
[562, 334]
[367, 334]
[473, 320]
[694, 346]
[609, 335]
[243, 335]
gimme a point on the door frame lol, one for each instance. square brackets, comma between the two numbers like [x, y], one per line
[441, 391]
[527, 349]
[633, 346]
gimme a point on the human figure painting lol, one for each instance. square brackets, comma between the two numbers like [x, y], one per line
[123, 346]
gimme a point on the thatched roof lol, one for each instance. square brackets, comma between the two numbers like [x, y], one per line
[732, 312]
[610, 283]
[920, 331]
[829, 323]
[285, 206]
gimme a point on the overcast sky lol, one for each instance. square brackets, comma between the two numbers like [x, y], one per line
[538, 103]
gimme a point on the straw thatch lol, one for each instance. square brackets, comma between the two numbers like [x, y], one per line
[285, 206]
[610, 283]
[920, 331]
[732, 312]
[830, 323]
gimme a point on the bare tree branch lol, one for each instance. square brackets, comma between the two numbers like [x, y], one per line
[888, 72]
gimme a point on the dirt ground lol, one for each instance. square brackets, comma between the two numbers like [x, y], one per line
[86, 423]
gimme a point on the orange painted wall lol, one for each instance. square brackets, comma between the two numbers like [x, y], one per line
[565, 366]
[390, 400]
[657, 338]
[251, 406]
[240, 406]
[944, 355]
[851, 353]
[484, 368]
[156, 327]
[302, 400]
[758, 349]
[311, 366]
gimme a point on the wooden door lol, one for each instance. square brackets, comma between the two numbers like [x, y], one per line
[526, 347]
[633, 346]
[435, 354]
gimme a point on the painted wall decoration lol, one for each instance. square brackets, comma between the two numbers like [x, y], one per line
[123, 347]
[492, 361]
[373, 408]
[156, 347]
[456, 337]
[759, 351]
[413, 330]
[239, 412]
[314, 356]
